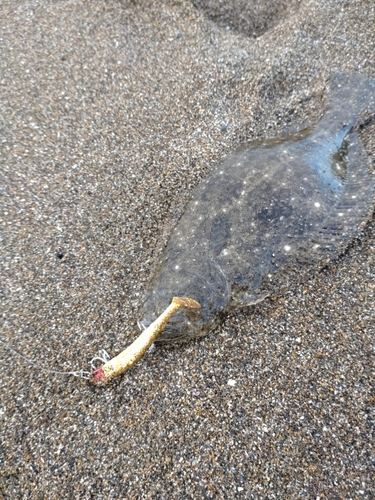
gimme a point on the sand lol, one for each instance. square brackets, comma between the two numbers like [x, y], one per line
[110, 113]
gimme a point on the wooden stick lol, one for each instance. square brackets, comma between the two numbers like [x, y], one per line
[127, 358]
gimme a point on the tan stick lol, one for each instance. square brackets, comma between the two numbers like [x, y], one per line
[126, 359]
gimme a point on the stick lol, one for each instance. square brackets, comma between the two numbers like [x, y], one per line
[127, 358]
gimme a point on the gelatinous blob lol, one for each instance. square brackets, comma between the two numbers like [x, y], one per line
[265, 210]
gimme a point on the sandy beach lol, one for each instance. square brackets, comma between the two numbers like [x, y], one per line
[111, 112]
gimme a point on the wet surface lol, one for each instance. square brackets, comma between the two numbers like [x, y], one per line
[250, 17]
[266, 210]
[111, 113]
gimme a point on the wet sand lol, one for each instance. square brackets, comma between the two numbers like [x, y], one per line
[110, 113]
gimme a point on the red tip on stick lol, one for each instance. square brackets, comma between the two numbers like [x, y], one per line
[118, 365]
[97, 375]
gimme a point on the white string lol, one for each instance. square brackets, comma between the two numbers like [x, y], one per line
[103, 357]
[79, 373]
[141, 325]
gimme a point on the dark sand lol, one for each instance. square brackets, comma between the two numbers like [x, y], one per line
[110, 112]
